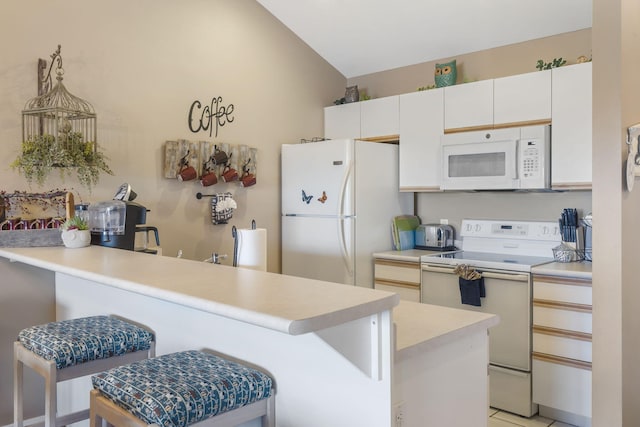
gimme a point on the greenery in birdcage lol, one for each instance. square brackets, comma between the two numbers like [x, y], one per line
[41, 154]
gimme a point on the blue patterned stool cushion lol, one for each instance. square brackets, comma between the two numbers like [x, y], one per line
[75, 341]
[179, 389]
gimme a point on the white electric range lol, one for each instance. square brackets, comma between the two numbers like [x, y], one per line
[504, 253]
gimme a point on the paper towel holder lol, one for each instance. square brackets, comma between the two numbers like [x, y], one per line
[234, 233]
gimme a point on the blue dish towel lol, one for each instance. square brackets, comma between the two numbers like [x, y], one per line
[471, 291]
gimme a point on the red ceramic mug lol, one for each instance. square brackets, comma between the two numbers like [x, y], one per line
[229, 174]
[248, 180]
[208, 179]
[187, 173]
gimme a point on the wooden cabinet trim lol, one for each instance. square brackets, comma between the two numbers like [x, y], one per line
[559, 360]
[563, 186]
[556, 332]
[571, 306]
[499, 126]
[557, 280]
[398, 283]
[394, 139]
[396, 263]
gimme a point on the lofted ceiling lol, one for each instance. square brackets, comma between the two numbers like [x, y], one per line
[360, 37]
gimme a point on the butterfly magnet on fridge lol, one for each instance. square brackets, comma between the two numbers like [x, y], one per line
[305, 198]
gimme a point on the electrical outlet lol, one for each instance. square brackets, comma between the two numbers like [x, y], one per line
[398, 414]
[444, 221]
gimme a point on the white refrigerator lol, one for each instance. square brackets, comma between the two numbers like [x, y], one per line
[338, 200]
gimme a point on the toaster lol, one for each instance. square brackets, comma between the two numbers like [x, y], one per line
[438, 237]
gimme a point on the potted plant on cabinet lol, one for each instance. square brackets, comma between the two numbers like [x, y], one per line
[75, 233]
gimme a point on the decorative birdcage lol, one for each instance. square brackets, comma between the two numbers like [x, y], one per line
[59, 130]
[58, 113]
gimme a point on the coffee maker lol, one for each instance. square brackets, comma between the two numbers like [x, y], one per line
[115, 223]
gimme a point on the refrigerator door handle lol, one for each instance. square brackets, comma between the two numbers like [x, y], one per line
[341, 203]
[343, 190]
[343, 247]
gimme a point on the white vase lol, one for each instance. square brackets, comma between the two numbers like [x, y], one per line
[76, 238]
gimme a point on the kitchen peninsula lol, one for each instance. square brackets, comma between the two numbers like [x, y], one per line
[340, 355]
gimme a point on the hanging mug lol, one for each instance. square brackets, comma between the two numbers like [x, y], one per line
[248, 180]
[229, 174]
[219, 157]
[209, 178]
[187, 173]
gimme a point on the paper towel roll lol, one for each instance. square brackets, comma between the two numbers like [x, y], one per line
[252, 248]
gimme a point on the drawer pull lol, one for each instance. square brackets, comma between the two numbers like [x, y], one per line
[409, 285]
[558, 360]
[572, 306]
[400, 264]
[545, 330]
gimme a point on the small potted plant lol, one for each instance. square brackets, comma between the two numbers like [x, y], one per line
[75, 233]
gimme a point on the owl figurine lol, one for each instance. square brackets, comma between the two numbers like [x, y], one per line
[446, 74]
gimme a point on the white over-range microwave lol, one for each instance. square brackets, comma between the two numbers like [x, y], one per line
[497, 159]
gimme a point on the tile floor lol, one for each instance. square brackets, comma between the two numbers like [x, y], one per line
[505, 419]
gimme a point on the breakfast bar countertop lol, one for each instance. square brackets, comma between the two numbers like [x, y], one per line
[288, 304]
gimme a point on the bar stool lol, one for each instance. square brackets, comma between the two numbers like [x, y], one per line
[181, 389]
[60, 351]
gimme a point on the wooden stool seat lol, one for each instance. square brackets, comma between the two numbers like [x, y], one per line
[181, 389]
[60, 351]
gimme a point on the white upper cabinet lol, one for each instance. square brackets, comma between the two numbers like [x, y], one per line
[522, 98]
[342, 121]
[421, 126]
[571, 101]
[375, 119]
[379, 118]
[468, 105]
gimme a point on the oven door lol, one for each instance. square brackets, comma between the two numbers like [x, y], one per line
[508, 294]
[480, 166]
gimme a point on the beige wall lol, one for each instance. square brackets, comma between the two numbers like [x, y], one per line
[616, 342]
[486, 64]
[141, 64]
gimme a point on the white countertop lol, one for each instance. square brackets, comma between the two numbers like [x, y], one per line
[287, 304]
[411, 255]
[420, 327]
[577, 270]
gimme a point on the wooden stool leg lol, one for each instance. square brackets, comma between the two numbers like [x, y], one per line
[18, 371]
[269, 419]
[94, 419]
[50, 397]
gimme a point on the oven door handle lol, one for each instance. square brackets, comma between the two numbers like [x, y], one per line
[488, 274]
[505, 276]
[447, 270]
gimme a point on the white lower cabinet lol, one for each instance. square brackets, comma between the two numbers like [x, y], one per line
[402, 277]
[562, 351]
